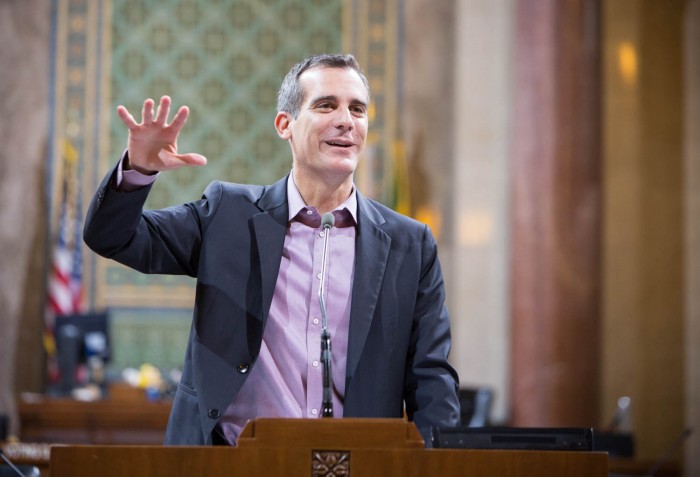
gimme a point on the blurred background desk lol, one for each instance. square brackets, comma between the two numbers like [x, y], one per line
[125, 416]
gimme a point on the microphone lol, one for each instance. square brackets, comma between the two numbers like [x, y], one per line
[327, 222]
[621, 419]
[12, 466]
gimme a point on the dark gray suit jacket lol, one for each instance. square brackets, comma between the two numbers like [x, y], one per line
[231, 241]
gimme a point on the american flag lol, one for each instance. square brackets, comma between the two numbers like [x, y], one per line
[66, 276]
[65, 280]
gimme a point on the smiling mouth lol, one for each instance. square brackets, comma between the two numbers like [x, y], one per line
[344, 144]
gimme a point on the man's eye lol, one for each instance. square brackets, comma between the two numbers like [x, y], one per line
[324, 106]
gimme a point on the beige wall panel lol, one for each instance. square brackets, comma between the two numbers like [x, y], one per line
[478, 245]
[643, 264]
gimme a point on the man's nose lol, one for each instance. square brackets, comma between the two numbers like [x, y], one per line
[343, 119]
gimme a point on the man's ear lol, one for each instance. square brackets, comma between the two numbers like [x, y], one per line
[283, 122]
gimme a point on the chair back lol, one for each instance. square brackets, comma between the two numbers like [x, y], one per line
[476, 406]
[25, 470]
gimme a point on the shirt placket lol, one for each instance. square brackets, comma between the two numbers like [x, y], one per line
[313, 335]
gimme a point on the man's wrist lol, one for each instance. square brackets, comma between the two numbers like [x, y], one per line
[128, 180]
[128, 166]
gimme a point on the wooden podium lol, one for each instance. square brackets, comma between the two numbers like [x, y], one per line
[321, 448]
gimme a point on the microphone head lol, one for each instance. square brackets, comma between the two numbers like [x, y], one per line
[327, 220]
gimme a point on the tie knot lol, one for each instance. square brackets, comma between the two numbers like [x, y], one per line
[310, 217]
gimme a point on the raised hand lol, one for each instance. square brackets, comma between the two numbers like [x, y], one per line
[153, 142]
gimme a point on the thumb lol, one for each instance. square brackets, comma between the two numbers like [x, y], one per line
[176, 160]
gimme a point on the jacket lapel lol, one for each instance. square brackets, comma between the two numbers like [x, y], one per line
[269, 227]
[371, 255]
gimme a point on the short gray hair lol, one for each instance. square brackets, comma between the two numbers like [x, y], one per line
[291, 95]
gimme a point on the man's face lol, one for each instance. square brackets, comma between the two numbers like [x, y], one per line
[329, 133]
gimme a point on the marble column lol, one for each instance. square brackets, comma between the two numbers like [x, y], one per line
[24, 77]
[556, 214]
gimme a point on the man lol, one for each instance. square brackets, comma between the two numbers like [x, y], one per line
[256, 251]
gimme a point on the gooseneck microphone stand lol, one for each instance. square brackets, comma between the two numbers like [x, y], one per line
[327, 222]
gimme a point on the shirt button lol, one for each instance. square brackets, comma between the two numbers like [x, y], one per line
[321, 234]
[318, 276]
[243, 368]
[314, 411]
[309, 212]
[214, 414]
[315, 363]
[315, 321]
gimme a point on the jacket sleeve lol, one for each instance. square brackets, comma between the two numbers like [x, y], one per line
[151, 241]
[431, 382]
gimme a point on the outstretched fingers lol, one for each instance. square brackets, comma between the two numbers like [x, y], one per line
[153, 142]
[147, 111]
[180, 118]
[163, 110]
[126, 117]
[160, 116]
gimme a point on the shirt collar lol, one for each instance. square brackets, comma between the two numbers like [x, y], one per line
[296, 201]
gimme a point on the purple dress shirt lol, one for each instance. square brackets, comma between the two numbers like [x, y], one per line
[286, 380]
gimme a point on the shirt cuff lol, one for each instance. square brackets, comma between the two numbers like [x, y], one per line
[130, 180]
